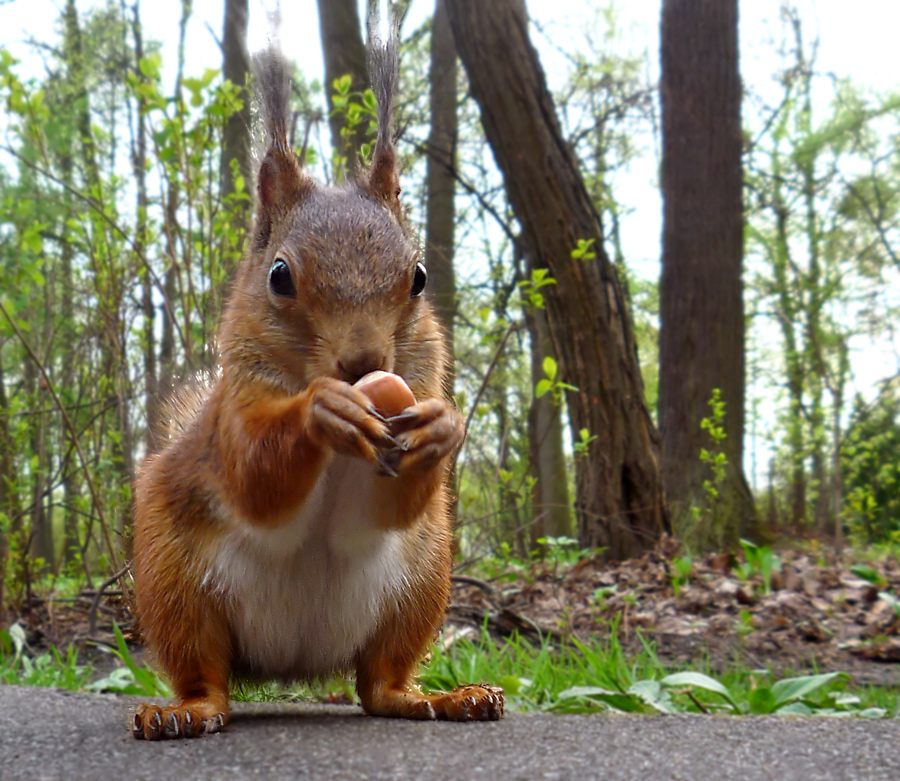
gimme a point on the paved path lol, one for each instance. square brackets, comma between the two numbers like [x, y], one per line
[49, 734]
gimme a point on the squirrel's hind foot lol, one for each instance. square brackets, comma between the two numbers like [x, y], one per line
[152, 722]
[474, 702]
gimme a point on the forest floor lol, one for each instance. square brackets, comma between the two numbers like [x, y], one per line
[795, 610]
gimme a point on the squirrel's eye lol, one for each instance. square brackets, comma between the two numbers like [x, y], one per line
[419, 280]
[280, 282]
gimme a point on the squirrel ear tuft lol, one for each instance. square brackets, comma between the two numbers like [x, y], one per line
[281, 181]
[384, 68]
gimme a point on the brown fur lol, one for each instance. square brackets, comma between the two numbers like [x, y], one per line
[259, 448]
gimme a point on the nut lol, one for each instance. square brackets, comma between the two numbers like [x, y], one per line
[389, 392]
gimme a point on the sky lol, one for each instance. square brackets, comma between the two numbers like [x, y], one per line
[856, 40]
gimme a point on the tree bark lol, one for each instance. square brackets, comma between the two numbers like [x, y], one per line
[441, 165]
[701, 291]
[620, 501]
[345, 54]
[9, 497]
[235, 67]
[550, 499]
[148, 308]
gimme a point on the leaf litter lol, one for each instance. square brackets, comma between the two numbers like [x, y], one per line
[811, 610]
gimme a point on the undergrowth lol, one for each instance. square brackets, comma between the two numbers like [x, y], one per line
[594, 676]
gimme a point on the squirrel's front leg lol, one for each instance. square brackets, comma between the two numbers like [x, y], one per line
[386, 667]
[428, 434]
[201, 698]
[273, 449]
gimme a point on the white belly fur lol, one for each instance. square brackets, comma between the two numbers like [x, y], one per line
[305, 597]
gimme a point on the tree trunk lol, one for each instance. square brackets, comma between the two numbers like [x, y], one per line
[69, 350]
[550, 500]
[235, 67]
[41, 531]
[701, 292]
[9, 497]
[148, 308]
[440, 179]
[620, 501]
[345, 54]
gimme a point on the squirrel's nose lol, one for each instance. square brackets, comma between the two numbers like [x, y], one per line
[353, 367]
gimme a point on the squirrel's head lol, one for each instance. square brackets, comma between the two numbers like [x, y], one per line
[332, 284]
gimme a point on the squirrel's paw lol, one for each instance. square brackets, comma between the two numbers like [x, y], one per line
[151, 722]
[343, 418]
[474, 702]
[427, 433]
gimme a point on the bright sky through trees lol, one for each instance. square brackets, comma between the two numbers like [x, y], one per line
[855, 41]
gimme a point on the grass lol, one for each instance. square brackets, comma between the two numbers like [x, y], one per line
[596, 676]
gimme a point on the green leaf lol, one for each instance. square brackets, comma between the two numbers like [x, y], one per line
[762, 700]
[583, 691]
[542, 388]
[615, 700]
[342, 84]
[796, 709]
[512, 685]
[790, 689]
[653, 694]
[150, 66]
[872, 713]
[701, 681]
[550, 367]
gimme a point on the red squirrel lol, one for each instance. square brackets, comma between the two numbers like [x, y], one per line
[288, 530]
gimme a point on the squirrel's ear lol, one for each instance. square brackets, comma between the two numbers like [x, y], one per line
[384, 181]
[280, 185]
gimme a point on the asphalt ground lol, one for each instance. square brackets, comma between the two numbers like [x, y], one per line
[51, 734]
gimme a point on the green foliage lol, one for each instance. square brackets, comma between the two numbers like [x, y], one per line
[870, 463]
[706, 520]
[49, 669]
[682, 567]
[530, 288]
[354, 108]
[761, 562]
[583, 250]
[715, 457]
[870, 574]
[130, 678]
[585, 439]
[115, 248]
[551, 384]
[561, 552]
[821, 249]
[597, 675]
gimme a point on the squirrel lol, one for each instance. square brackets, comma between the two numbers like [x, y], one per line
[288, 530]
